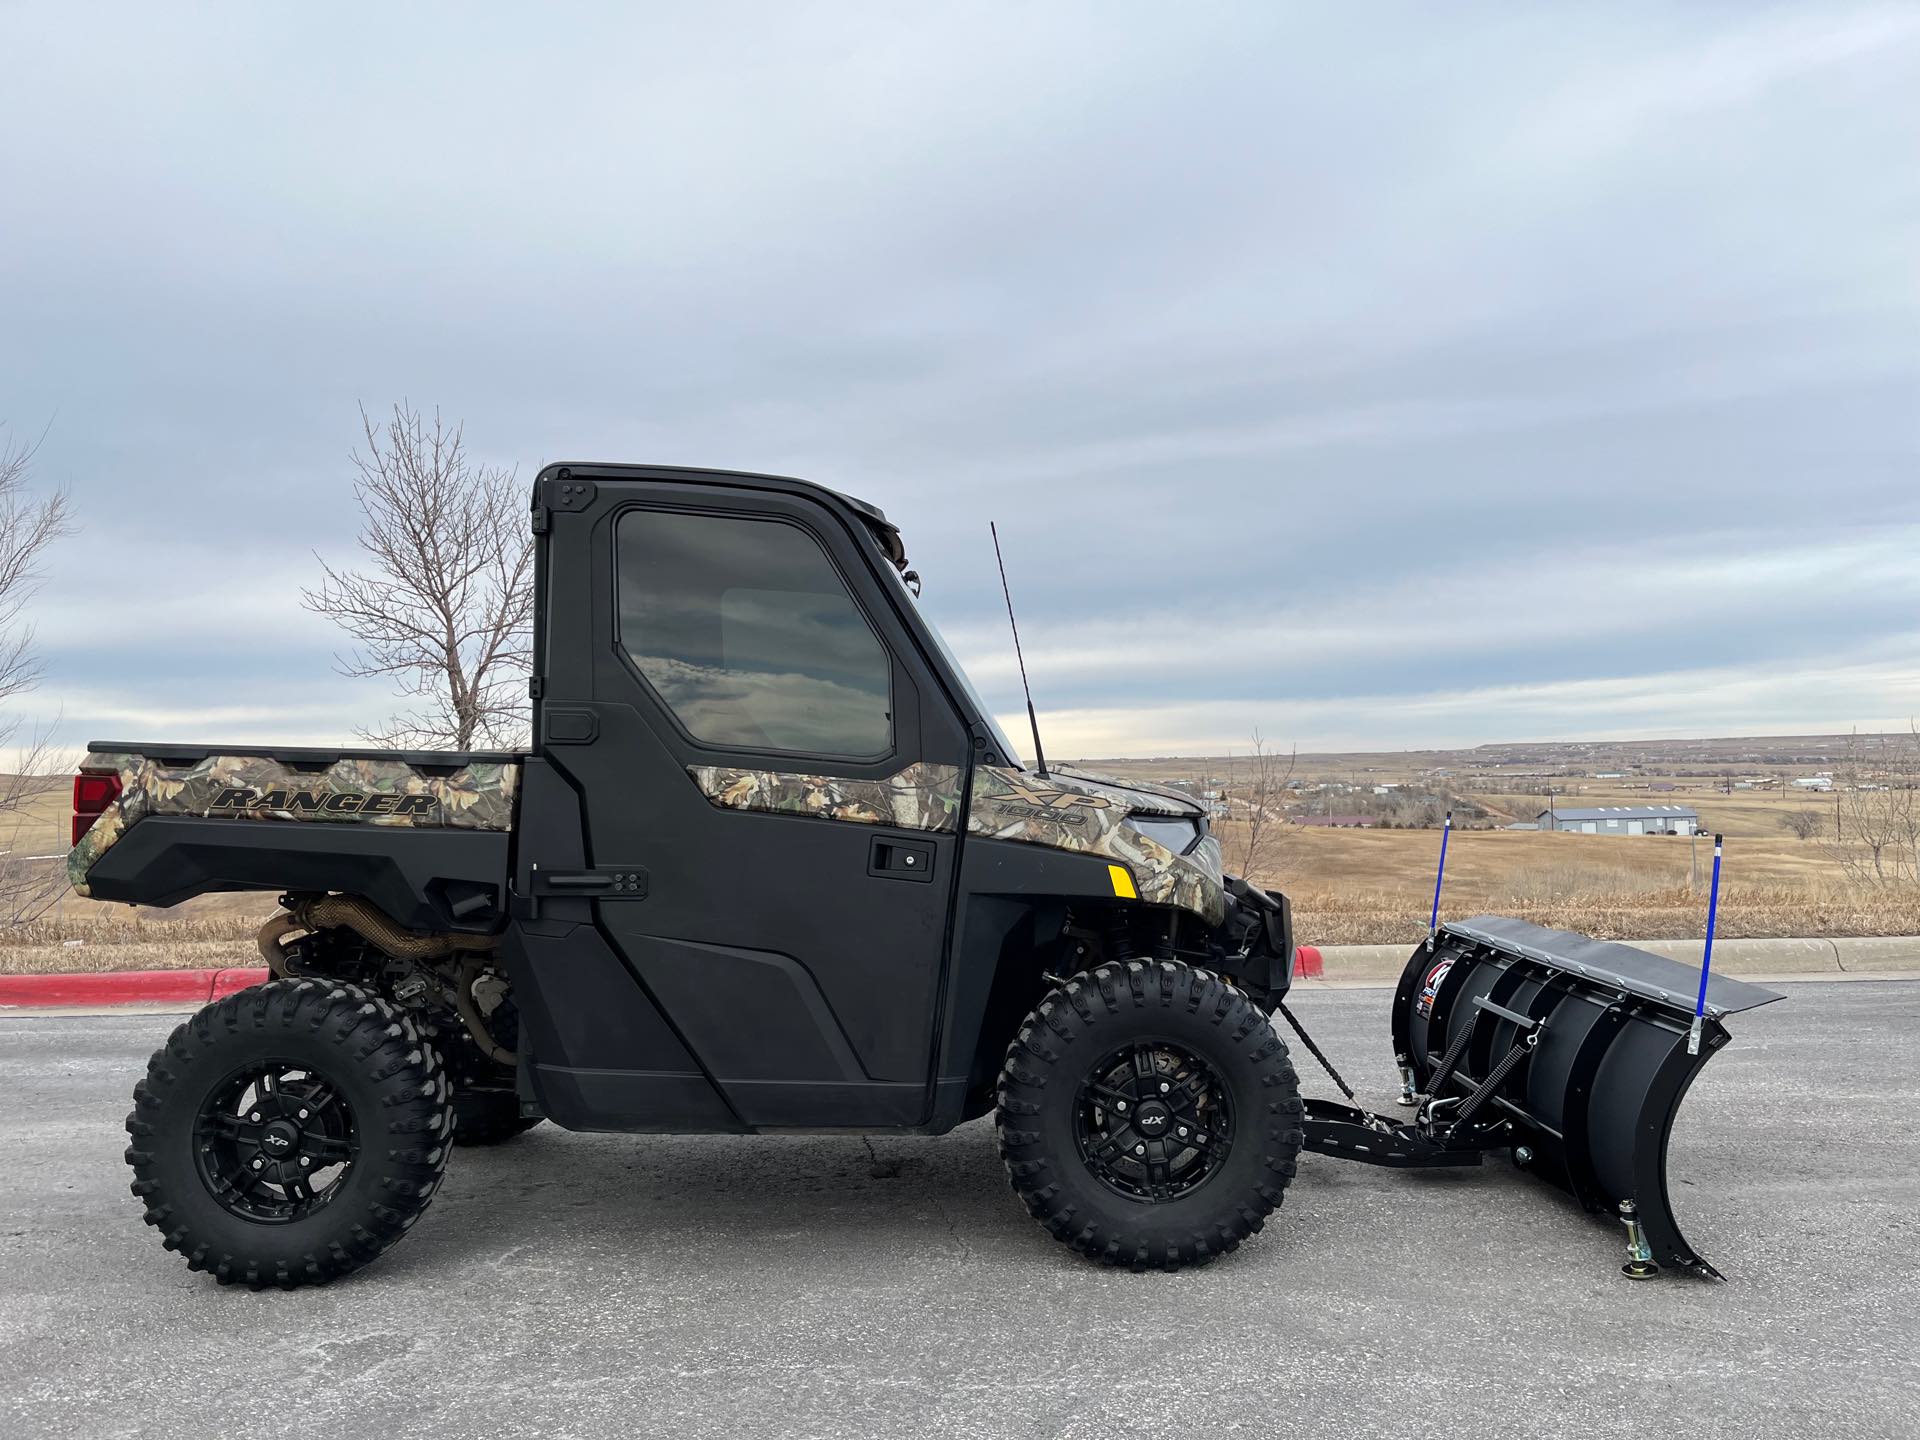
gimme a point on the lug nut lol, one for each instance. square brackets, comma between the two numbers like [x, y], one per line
[306, 1160]
[1121, 1105]
[1164, 1087]
[303, 1114]
[1183, 1132]
[258, 1164]
[1139, 1149]
[254, 1117]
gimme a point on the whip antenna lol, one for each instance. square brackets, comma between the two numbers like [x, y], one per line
[1039, 755]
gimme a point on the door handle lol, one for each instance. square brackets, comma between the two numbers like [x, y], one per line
[626, 882]
[892, 859]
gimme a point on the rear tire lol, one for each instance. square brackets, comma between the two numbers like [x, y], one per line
[488, 1117]
[289, 1134]
[1191, 1062]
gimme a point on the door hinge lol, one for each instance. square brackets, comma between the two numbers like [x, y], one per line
[561, 492]
[536, 687]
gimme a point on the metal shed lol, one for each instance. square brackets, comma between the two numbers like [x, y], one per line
[1624, 820]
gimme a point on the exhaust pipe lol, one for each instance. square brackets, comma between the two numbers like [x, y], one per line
[370, 923]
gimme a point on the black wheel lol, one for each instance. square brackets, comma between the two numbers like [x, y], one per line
[290, 1133]
[1148, 1115]
[487, 1117]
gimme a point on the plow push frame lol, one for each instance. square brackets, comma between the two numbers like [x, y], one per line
[1571, 1054]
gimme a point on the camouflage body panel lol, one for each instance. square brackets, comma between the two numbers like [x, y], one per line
[479, 796]
[1138, 799]
[920, 797]
[1067, 812]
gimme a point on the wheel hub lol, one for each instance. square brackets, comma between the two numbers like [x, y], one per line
[1152, 1121]
[274, 1143]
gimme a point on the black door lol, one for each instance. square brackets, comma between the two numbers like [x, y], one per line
[770, 780]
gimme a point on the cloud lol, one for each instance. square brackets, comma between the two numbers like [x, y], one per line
[1876, 693]
[1307, 376]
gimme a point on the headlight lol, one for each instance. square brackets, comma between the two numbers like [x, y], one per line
[1179, 836]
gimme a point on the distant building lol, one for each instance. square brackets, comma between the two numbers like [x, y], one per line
[1623, 820]
[1609, 775]
[1662, 787]
[1814, 782]
[1339, 822]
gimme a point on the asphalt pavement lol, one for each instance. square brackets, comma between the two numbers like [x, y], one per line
[587, 1285]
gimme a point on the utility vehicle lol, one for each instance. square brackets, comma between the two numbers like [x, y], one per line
[769, 864]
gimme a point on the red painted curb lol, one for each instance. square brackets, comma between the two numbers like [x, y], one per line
[124, 987]
[197, 987]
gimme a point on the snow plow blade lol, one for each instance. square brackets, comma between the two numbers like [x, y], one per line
[1579, 1046]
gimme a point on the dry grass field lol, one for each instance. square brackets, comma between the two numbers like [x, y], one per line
[1348, 885]
[1376, 886]
[79, 934]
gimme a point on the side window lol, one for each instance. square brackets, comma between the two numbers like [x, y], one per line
[747, 632]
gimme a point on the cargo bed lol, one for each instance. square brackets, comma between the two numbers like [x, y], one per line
[425, 829]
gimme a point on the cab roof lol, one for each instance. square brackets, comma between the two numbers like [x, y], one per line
[872, 516]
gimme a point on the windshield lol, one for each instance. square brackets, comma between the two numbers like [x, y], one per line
[959, 673]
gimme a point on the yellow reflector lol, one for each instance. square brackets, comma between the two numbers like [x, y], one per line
[1123, 882]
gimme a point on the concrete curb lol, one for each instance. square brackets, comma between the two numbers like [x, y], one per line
[124, 987]
[1737, 959]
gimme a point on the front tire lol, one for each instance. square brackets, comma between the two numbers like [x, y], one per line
[289, 1134]
[1148, 1115]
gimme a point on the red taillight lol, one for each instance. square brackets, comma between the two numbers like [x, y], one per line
[93, 792]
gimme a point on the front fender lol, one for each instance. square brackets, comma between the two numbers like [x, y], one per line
[1064, 814]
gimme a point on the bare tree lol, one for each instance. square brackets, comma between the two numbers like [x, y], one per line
[1259, 780]
[445, 606]
[29, 523]
[1877, 813]
[1804, 824]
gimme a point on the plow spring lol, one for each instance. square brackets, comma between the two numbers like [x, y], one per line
[1573, 1054]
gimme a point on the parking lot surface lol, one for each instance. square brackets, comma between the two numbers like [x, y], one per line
[588, 1285]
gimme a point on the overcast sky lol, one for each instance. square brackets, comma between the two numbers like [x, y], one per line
[1380, 376]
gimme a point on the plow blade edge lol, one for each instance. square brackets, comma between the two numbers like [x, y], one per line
[1606, 1067]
